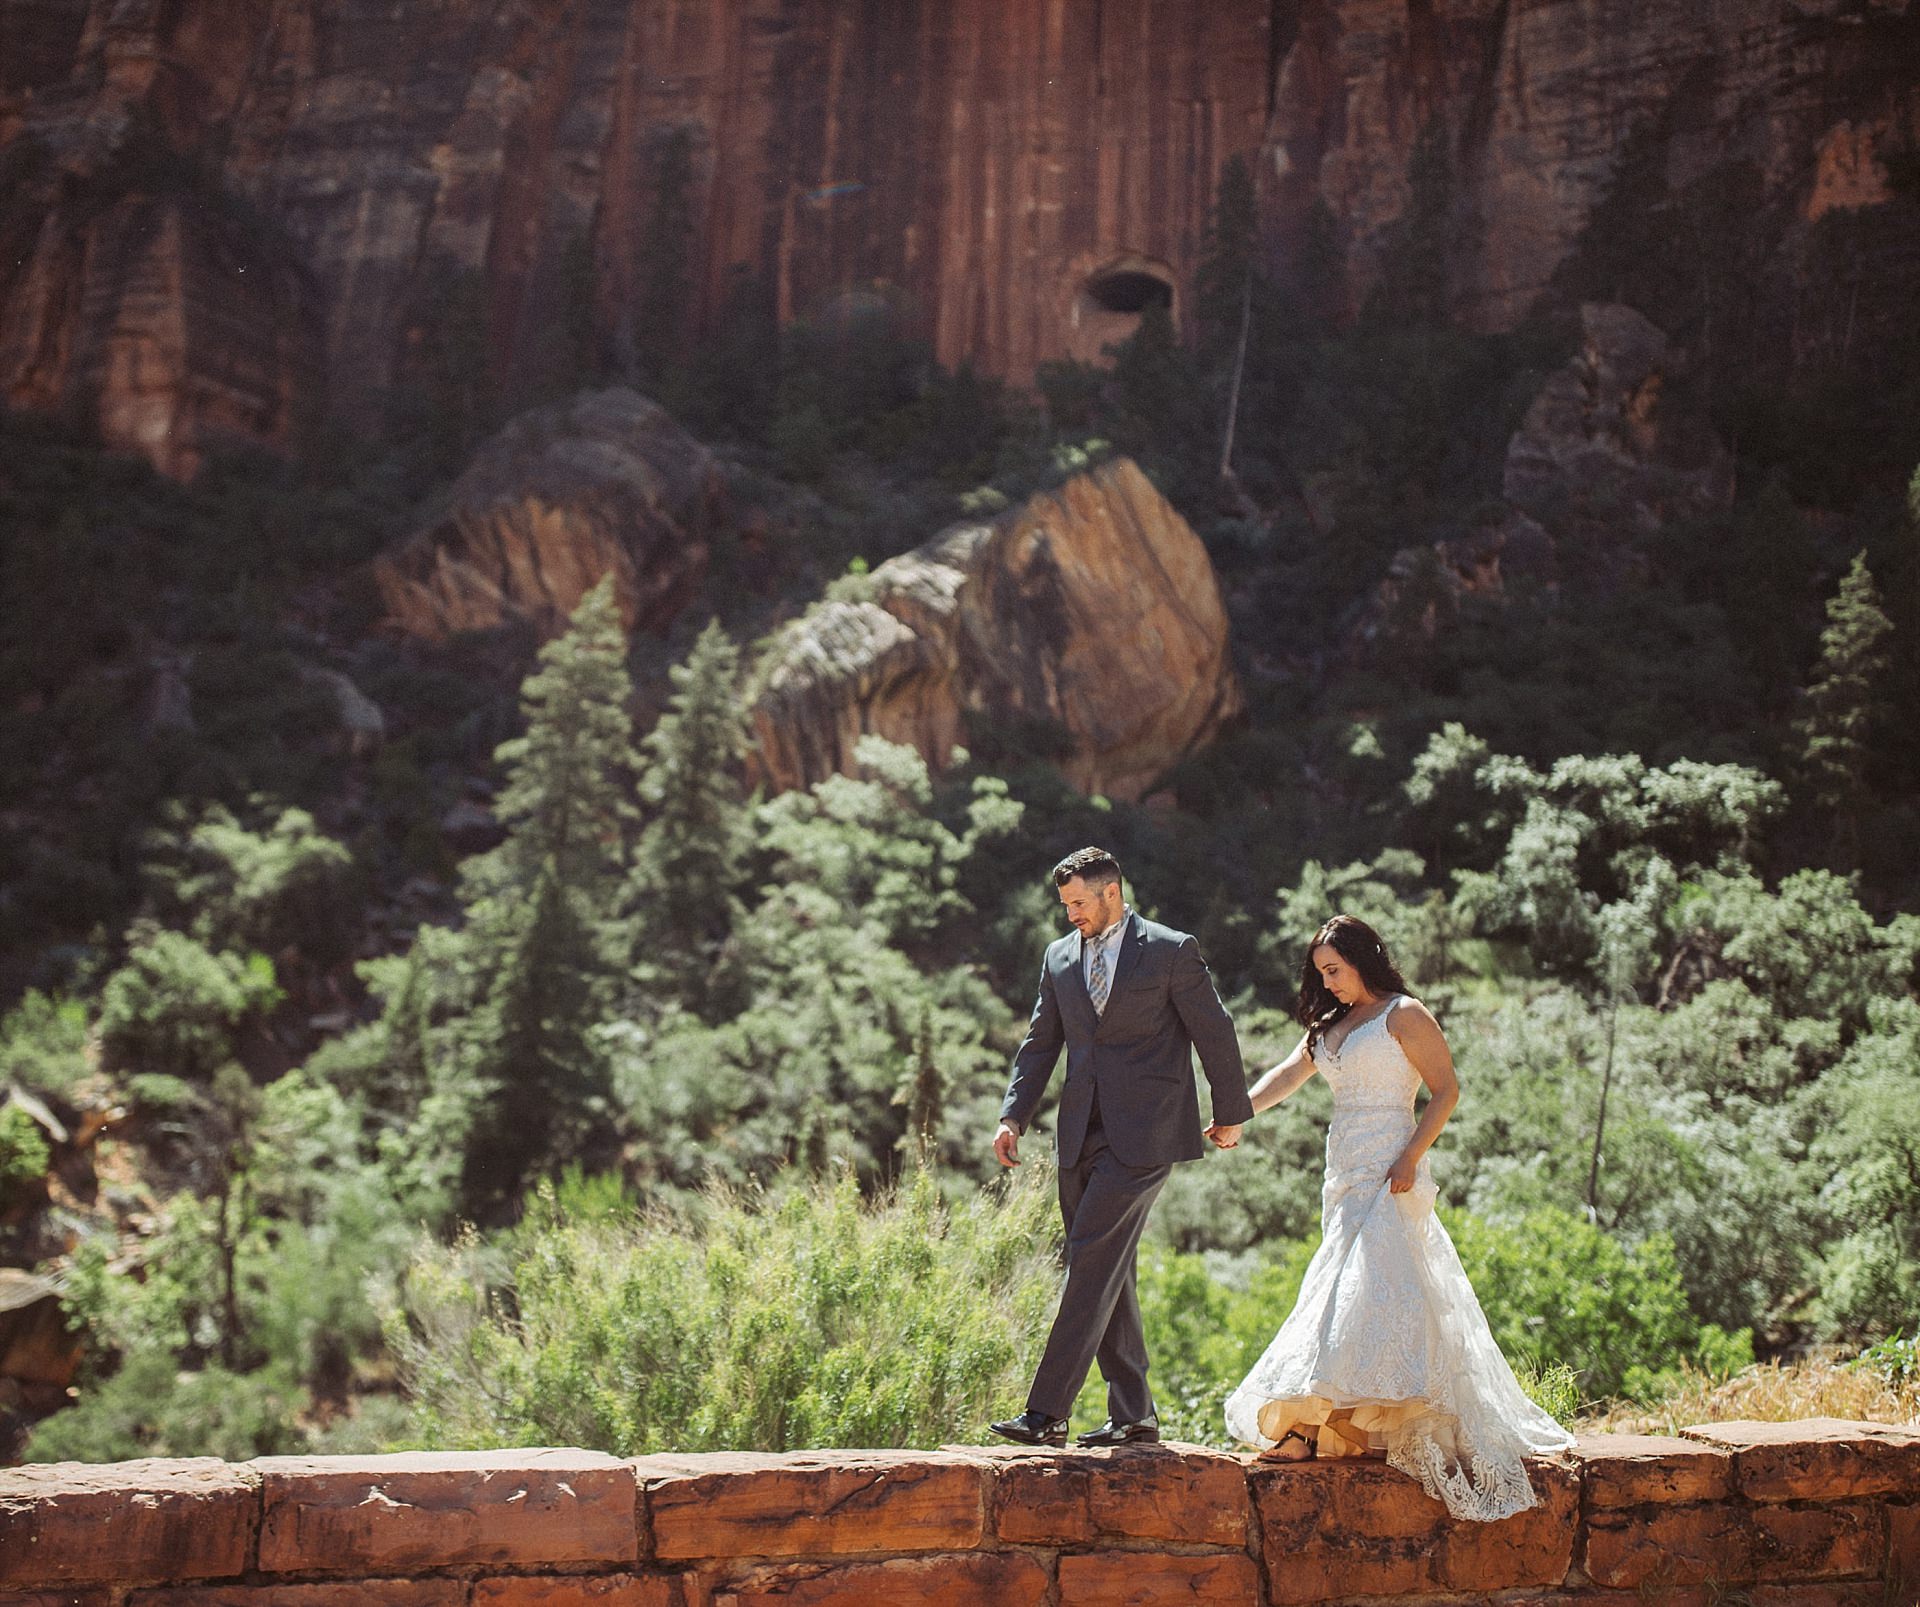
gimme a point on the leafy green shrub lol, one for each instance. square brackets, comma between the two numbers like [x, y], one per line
[286, 885]
[804, 1317]
[1556, 1288]
[43, 1043]
[1895, 1358]
[175, 1004]
[24, 1156]
[149, 1407]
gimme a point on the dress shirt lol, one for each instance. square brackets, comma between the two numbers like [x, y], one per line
[1108, 940]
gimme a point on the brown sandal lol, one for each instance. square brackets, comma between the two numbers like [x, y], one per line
[1270, 1454]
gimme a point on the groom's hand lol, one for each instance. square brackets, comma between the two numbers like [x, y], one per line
[1225, 1135]
[1006, 1145]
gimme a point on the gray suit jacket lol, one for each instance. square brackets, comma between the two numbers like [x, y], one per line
[1162, 1007]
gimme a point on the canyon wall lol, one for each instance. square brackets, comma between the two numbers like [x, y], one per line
[214, 214]
[1814, 1514]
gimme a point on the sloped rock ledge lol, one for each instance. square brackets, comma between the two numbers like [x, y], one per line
[1817, 1514]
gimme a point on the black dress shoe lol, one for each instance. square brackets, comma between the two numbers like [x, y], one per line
[1144, 1432]
[1032, 1428]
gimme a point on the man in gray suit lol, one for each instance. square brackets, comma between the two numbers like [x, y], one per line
[1130, 1000]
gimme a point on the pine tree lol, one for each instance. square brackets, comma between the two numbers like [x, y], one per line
[545, 1073]
[567, 801]
[541, 908]
[924, 1093]
[1227, 265]
[687, 861]
[1841, 702]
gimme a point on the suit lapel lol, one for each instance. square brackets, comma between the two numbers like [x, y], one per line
[1073, 981]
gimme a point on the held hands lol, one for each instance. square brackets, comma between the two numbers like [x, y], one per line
[1225, 1135]
[1006, 1145]
[1400, 1174]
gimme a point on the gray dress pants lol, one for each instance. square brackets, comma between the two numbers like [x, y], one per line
[1105, 1204]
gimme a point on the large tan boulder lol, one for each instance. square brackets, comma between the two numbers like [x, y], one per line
[1090, 612]
[604, 483]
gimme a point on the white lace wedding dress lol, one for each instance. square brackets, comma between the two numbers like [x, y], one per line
[1387, 1325]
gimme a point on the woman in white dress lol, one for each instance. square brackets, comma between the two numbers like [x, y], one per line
[1386, 1353]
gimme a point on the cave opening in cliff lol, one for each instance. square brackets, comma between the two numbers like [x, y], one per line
[1128, 290]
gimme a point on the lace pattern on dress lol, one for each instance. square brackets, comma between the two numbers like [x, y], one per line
[1387, 1325]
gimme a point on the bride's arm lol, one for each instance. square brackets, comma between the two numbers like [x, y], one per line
[1413, 1026]
[1286, 1078]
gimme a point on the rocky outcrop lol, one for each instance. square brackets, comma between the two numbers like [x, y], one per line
[36, 1346]
[1089, 614]
[1814, 1514]
[1602, 436]
[1022, 178]
[1425, 587]
[604, 484]
[1607, 453]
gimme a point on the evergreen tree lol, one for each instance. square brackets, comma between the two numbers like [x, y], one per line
[567, 801]
[687, 860]
[924, 1094]
[1163, 413]
[545, 1073]
[1227, 265]
[1841, 707]
[541, 908]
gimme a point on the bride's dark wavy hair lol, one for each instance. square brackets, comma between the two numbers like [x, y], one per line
[1359, 945]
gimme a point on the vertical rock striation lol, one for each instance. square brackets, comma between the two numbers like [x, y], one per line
[1017, 175]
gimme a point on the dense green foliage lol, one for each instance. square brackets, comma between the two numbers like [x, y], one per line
[805, 1318]
[1634, 826]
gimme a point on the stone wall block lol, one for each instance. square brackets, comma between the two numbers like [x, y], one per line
[1825, 1542]
[1534, 1547]
[101, 1597]
[328, 1514]
[977, 1579]
[1163, 1492]
[360, 1592]
[1662, 1547]
[1332, 1529]
[1903, 1545]
[590, 1590]
[125, 1522]
[813, 1504]
[1151, 1579]
[1597, 1596]
[1631, 1470]
[1818, 1458]
[1869, 1593]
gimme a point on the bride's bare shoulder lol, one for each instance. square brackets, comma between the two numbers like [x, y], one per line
[1408, 1018]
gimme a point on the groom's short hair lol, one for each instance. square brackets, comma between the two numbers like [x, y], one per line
[1094, 866]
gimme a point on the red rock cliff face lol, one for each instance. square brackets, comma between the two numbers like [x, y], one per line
[983, 162]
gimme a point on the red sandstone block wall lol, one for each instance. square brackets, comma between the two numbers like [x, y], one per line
[1814, 1514]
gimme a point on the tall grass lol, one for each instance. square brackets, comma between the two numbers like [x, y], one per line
[1767, 1392]
[800, 1318]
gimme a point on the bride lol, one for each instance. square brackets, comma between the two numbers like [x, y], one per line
[1386, 1352]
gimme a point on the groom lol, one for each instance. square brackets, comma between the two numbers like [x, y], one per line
[1130, 1000]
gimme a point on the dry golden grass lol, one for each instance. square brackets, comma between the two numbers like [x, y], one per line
[1768, 1392]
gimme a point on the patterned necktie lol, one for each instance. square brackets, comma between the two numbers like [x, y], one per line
[1098, 981]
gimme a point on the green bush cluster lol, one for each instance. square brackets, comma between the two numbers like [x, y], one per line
[807, 1316]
